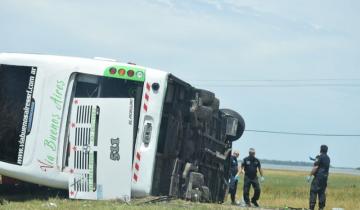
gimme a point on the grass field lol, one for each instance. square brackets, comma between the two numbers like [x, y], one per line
[289, 188]
[280, 189]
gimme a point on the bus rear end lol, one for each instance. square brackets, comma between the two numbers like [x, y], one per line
[39, 98]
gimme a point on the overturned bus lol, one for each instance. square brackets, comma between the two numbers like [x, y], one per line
[109, 130]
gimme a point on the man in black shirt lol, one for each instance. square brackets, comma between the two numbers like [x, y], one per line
[234, 176]
[250, 166]
[320, 172]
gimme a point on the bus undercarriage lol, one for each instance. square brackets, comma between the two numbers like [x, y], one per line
[195, 142]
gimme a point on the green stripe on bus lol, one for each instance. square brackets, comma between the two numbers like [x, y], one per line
[91, 171]
[93, 126]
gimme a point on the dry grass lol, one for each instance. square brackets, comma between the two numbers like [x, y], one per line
[289, 188]
[280, 189]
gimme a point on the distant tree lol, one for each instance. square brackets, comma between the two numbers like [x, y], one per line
[289, 163]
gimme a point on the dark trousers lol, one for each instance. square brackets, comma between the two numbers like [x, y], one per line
[318, 188]
[247, 184]
[232, 188]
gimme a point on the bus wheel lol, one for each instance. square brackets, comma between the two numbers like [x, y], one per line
[204, 113]
[206, 96]
[215, 105]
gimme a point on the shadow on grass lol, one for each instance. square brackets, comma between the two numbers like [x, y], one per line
[25, 191]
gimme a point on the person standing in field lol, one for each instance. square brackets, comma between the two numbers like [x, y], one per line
[250, 166]
[320, 171]
[234, 175]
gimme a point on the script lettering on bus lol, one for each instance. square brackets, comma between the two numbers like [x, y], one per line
[50, 142]
[44, 166]
[58, 94]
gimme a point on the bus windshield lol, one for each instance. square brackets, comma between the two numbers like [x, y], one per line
[16, 108]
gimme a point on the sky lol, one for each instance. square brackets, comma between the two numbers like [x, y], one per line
[284, 65]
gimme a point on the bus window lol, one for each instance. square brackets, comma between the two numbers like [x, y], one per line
[16, 87]
[91, 86]
[87, 86]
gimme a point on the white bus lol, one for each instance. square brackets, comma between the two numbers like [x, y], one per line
[104, 129]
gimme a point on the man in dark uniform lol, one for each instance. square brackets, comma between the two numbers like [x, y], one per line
[234, 176]
[320, 172]
[250, 166]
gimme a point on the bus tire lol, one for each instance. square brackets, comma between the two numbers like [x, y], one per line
[215, 105]
[204, 113]
[206, 96]
[205, 194]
